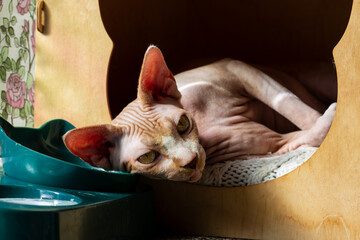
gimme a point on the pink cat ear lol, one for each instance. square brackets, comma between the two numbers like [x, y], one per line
[156, 80]
[91, 144]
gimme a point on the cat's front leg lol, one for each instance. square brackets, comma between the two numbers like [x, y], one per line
[269, 91]
[310, 137]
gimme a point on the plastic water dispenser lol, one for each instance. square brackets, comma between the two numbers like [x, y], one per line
[48, 193]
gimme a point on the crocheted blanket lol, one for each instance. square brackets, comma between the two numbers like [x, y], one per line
[252, 171]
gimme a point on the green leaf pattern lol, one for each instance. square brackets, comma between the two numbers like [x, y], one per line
[17, 56]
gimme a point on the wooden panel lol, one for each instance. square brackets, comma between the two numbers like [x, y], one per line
[319, 200]
[72, 57]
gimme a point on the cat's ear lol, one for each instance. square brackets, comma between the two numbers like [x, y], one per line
[91, 144]
[156, 80]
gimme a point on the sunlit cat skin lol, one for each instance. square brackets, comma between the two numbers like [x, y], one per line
[209, 114]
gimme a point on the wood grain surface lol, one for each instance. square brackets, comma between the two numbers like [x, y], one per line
[72, 57]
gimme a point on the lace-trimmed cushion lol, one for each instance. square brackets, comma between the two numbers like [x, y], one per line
[253, 171]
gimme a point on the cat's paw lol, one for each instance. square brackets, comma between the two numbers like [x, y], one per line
[294, 140]
[316, 134]
[322, 126]
[312, 137]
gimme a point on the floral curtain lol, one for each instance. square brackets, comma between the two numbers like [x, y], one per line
[17, 61]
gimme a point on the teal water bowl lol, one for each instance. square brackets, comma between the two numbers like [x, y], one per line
[22, 197]
[39, 156]
[30, 211]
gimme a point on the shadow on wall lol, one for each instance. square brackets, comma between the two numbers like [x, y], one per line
[259, 31]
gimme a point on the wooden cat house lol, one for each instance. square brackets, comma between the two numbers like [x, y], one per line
[87, 64]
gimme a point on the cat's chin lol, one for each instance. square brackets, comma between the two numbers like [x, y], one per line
[196, 176]
[185, 176]
[191, 177]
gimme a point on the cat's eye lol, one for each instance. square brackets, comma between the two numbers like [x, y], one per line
[183, 124]
[148, 157]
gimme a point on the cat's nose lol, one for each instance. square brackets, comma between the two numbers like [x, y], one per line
[192, 163]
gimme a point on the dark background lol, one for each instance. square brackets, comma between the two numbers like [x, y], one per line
[255, 31]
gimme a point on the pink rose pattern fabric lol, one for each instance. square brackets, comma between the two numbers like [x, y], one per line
[15, 93]
[33, 37]
[31, 94]
[23, 6]
[17, 59]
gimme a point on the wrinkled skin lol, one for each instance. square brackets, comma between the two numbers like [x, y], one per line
[234, 111]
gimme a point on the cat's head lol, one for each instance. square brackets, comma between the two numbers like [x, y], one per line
[153, 135]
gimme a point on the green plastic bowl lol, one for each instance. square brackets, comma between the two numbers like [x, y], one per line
[40, 156]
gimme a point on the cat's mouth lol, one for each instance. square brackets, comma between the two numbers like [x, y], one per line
[197, 165]
[193, 163]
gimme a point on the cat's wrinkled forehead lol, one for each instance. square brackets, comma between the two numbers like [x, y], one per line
[147, 120]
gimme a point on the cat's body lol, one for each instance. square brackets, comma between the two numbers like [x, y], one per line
[233, 123]
[223, 111]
